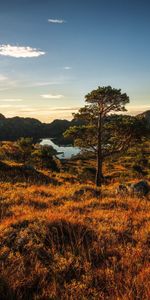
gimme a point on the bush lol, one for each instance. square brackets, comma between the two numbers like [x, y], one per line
[45, 157]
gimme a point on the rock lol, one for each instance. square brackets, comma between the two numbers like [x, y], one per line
[122, 189]
[138, 169]
[28, 168]
[86, 190]
[140, 188]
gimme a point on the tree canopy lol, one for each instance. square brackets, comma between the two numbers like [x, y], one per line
[104, 133]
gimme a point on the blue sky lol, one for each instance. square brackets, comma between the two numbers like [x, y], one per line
[53, 52]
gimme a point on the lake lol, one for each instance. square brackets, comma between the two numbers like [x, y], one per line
[66, 152]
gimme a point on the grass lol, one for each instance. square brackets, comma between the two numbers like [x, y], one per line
[60, 240]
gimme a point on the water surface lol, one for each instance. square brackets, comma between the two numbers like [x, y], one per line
[66, 152]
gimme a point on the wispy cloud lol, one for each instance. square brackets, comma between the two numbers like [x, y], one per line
[7, 83]
[136, 109]
[11, 84]
[65, 108]
[142, 106]
[45, 83]
[11, 100]
[67, 68]
[50, 96]
[47, 110]
[3, 78]
[48, 113]
[12, 106]
[56, 21]
[20, 51]
[44, 113]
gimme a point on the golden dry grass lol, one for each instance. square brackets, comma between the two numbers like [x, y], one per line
[59, 240]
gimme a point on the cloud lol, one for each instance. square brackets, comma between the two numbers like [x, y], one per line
[7, 83]
[3, 78]
[48, 113]
[56, 21]
[67, 68]
[43, 110]
[13, 84]
[17, 51]
[11, 100]
[45, 83]
[48, 109]
[136, 109]
[12, 106]
[44, 113]
[142, 106]
[65, 108]
[49, 96]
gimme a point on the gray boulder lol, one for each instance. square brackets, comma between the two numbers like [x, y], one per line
[140, 188]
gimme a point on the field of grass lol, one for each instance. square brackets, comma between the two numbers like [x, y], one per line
[59, 239]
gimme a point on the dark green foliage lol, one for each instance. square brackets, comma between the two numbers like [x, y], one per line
[96, 133]
[85, 136]
[30, 154]
[25, 147]
[119, 131]
[14, 128]
[102, 133]
[138, 169]
[108, 99]
[17, 127]
[45, 157]
[144, 162]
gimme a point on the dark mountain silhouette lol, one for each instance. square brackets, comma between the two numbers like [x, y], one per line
[2, 117]
[145, 116]
[13, 128]
[16, 127]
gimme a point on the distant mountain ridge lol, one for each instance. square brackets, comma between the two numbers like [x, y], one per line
[145, 115]
[16, 127]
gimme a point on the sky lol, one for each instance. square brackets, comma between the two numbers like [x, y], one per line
[54, 52]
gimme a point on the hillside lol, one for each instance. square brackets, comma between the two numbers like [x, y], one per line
[16, 127]
[60, 238]
[145, 116]
[63, 238]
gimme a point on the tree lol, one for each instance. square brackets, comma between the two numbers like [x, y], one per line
[45, 156]
[25, 146]
[96, 134]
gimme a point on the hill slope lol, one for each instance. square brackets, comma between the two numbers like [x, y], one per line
[16, 127]
[145, 116]
[61, 241]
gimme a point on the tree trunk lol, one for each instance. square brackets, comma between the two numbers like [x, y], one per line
[99, 174]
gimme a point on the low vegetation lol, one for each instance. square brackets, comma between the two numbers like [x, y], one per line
[65, 235]
[63, 239]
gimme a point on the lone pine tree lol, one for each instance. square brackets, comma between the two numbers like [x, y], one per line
[101, 132]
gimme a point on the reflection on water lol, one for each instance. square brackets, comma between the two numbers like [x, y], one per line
[65, 151]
